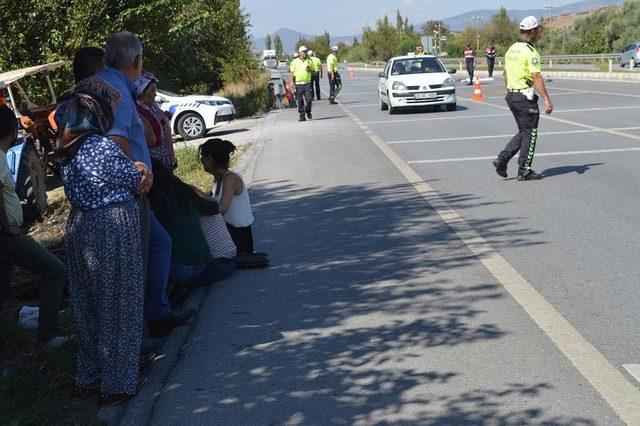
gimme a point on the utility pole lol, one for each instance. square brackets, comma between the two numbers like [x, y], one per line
[477, 20]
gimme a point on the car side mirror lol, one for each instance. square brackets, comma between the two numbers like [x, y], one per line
[382, 75]
[452, 71]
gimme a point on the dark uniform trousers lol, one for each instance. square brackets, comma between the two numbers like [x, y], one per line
[491, 62]
[304, 98]
[315, 81]
[335, 85]
[527, 115]
[470, 69]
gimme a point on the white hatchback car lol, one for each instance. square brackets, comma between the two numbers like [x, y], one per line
[410, 81]
[192, 116]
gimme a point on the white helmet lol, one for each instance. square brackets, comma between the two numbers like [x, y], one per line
[302, 49]
[334, 48]
[529, 23]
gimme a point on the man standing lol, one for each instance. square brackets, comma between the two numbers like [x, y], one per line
[420, 50]
[21, 250]
[491, 58]
[123, 57]
[335, 82]
[316, 75]
[301, 69]
[470, 59]
[522, 75]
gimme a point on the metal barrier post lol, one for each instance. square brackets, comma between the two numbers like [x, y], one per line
[610, 65]
[632, 64]
[461, 67]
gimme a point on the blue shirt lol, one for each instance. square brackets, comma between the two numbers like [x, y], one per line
[126, 121]
[99, 174]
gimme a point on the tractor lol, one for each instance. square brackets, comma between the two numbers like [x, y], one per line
[28, 159]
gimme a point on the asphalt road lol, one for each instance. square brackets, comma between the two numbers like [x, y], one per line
[411, 284]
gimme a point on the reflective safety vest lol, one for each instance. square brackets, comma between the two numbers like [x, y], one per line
[469, 55]
[317, 64]
[423, 53]
[520, 61]
[299, 70]
[491, 53]
[332, 63]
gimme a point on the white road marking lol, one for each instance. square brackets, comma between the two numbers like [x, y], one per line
[561, 120]
[551, 93]
[598, 92]
[607, 380]
[633, 370]
[467, 138]
[538, 154]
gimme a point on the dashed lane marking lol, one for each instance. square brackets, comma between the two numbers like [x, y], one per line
[608, 381]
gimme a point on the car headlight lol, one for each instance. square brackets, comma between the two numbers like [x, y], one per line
[397, 85]
[449, 83]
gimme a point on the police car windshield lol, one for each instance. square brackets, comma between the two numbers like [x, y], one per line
[416, 66]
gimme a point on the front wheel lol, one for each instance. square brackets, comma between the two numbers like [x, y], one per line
[31, 186]
[191, 126]
[452, 107]
[383, 106]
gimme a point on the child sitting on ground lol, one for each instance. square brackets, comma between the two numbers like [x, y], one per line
[232, 195]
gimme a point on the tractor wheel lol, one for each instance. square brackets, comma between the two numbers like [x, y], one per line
[31, 185]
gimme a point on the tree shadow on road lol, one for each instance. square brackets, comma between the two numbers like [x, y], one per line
[365, 280]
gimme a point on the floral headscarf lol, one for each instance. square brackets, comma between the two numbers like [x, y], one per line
[88, 111]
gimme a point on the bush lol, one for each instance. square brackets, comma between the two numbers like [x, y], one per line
[249, 96]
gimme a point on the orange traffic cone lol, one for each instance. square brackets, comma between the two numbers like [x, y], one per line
[477, 92]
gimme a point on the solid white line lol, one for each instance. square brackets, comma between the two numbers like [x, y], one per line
[607, 380]
[538, 154]
[468, 138]
[598, 92]
[561, 120]
[550, 93]
[633, 370]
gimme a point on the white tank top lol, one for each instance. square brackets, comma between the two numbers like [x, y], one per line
[239, 213]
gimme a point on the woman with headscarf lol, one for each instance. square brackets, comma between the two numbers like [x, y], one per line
[157, 129]
[103, 245]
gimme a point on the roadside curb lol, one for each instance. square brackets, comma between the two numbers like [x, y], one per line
[140, 410]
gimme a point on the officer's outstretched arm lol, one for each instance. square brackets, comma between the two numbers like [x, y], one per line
[538, 82]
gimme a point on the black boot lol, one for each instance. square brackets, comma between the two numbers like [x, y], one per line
[501, 166]
[302, 117]
[163, 326]
[332, 102]
[309, 116]
[528, 175]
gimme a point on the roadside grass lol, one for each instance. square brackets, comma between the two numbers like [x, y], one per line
[190, 169]
[249, 97]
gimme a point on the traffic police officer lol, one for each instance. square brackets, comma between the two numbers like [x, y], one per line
[335, 82]
[301, 69]
[522, 75]
[491, 58]
[316, 75]
[420, 50]
[470, 59]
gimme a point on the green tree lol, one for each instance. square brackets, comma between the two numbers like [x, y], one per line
[277, 42]
[501, 31]
[267, 42]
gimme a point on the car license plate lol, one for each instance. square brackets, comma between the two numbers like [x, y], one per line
[430, 95]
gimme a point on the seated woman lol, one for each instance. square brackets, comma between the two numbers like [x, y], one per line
[157, 129]
[178, 207]
[103, 244]
[232, 195]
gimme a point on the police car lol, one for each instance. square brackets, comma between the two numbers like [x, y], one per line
[415, 81]
[192, 116]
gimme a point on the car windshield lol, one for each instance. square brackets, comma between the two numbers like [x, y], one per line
[416, 66]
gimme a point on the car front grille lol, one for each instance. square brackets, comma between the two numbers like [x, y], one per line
[223, 118]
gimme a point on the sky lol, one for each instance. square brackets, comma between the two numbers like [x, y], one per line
[347, 17]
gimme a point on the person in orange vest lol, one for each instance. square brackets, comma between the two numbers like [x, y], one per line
[491, 58]
[470, 59]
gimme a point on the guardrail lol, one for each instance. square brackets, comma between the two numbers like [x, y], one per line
[550, 61]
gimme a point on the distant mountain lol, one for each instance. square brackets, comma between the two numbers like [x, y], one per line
[290, 38]
[460, 22]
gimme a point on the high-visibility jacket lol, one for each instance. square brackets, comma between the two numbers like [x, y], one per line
[469, 55]
[300, 70]
[332, 63]
[520, 62]
[317, 64]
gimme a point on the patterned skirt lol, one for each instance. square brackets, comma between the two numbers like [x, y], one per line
[104, 267]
